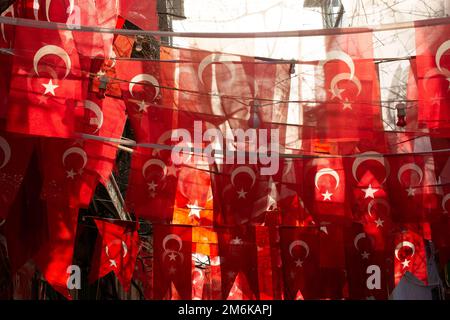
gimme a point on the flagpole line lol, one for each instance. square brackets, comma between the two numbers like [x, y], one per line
[373, 103]
[216, 152]
[273, 34]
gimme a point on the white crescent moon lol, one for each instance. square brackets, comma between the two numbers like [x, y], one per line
[299, 243]
[325, 171]
[288, 166]
[243, 169]
[4, 145]
[410, 166]
[380, 201]
[98, 120]
[172, 237]
[404, 244]
[76, 150]
[47, 8]
[345, 76]
[444, 201]
[124, 247]
[372, 156]
[52, 49]
[358, 237]
[36, 8]
[430, 73]
[9, 10]
[439, 53]
[155, 162]
[162, 139]
[144, 77]
[340, 55]
[226, 60]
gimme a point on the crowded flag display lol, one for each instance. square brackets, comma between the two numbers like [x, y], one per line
[235, 211]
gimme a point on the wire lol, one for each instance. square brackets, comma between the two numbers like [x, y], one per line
[212, 35]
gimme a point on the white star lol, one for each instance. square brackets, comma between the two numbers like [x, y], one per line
[365, 255]
[152, 186]
[172, 270]
[405, 263]
[327, 195]
[347, 105]
[336, 93]
[236, 240]
[172, 171]
[411, 191]
[112, 263]
[242, 194]
[324, 229]
[50, 87]
[299, 263]
[195, 209]
[369, 192]
[143, 106]
[172, 257]
[379, 222]
[42, 99]
[71, 174]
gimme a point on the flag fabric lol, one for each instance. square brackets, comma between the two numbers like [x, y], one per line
[172, 264]
[300, 256]
[116, 250]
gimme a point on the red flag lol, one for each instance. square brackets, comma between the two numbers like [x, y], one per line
[433, 77]
[172, 262]
[116, 251]
[26, 227]
[300, 256]
[362, 257]
[324, 189]
[55, 256]
[141, 13]
[351, 110]
[409, 255]
[413, 201]
[47, 79]
[15, 155]
[238, 257]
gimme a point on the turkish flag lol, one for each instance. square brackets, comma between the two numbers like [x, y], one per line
[409, 255]
[148, 100]
[350, 89]
[268, 254]
[152, 185]
[366, 176]
[433, 77]
[414, 200]
[72, 168]
[172, 261]
[300, 257]
[243, 195]
[47, 79]
[324, 189]
[238, 260]
[55, 255]
[26, 227]
[15, 155]
[116, 251]
[360, 254]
